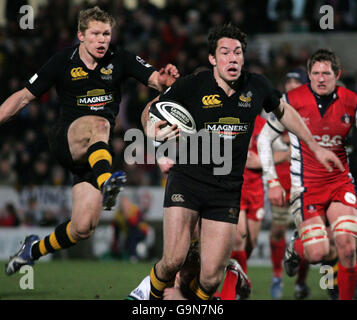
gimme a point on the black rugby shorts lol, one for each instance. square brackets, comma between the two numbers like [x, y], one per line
[210, 201]
[58, 143]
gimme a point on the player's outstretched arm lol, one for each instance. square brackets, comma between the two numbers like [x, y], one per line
[290, 118]
[14, 104]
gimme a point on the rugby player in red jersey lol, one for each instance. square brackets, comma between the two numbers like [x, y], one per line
[321, 198]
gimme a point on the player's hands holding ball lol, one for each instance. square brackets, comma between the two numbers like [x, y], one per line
[162, 131]
[166, 119]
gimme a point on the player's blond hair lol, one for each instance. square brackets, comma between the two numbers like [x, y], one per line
[325, 55]
[93, 14]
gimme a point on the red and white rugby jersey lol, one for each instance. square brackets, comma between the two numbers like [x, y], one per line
[253, 178]
[330, 131]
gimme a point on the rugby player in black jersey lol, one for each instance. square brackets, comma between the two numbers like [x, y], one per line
[88, 79]
[223, 101]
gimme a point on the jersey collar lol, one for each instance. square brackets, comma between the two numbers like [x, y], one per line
[238, 86]
[75, 54]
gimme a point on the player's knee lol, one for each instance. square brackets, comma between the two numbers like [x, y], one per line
[277, 231]
[252, 243]
[82, 230]
[277, 234]
[316, 255]
[211, 277]
[240, 240]
[101, 126]
[346, 246]
[171, 264]
[210, 281]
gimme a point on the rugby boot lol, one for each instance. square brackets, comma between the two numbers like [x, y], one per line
[333, 294]
[111, 188]
[291, 258]
[276, 288]
[243, 286]
[22, 257]
[302, 291]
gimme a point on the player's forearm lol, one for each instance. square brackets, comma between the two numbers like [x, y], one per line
[14, 104]
[145, 117]
[253, 161]
[154, 83]
[164, 78]
[145, 114]
[281, 156]
[265, 151]
[294, 123]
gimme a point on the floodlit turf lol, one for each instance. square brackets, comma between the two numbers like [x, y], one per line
[80, 279]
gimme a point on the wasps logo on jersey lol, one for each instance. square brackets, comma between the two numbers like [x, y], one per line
[211, 101]
[107, 72]
[245, 100]
[78, 73]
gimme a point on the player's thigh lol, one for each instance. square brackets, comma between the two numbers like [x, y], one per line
[86, 208]
[179, 224]
[280, 216]
[343, 220]
[217, 238]
[85, 131]
[314, 238]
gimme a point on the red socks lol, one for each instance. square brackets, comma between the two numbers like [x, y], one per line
[277, 249]
[299, 248]
[347, 278]
[228, 291]
[241, 257]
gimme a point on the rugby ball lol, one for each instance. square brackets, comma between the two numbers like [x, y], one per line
[173, 113]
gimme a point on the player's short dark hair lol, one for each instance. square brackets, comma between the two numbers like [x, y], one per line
[93, 14]
[324, 55]
[225, 31]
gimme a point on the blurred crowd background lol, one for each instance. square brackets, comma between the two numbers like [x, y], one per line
[173, 32]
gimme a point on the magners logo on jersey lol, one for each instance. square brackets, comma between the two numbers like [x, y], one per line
[95, 99]
[78, 73]
[228, 127]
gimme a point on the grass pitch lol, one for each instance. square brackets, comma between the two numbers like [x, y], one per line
[113, 280]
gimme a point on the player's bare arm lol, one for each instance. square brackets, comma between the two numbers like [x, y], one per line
[164, 78]
[276, 193]
[289, 117]
[14, 104]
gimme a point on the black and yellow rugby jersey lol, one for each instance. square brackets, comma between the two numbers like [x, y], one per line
[82, 91]
[230, 117]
